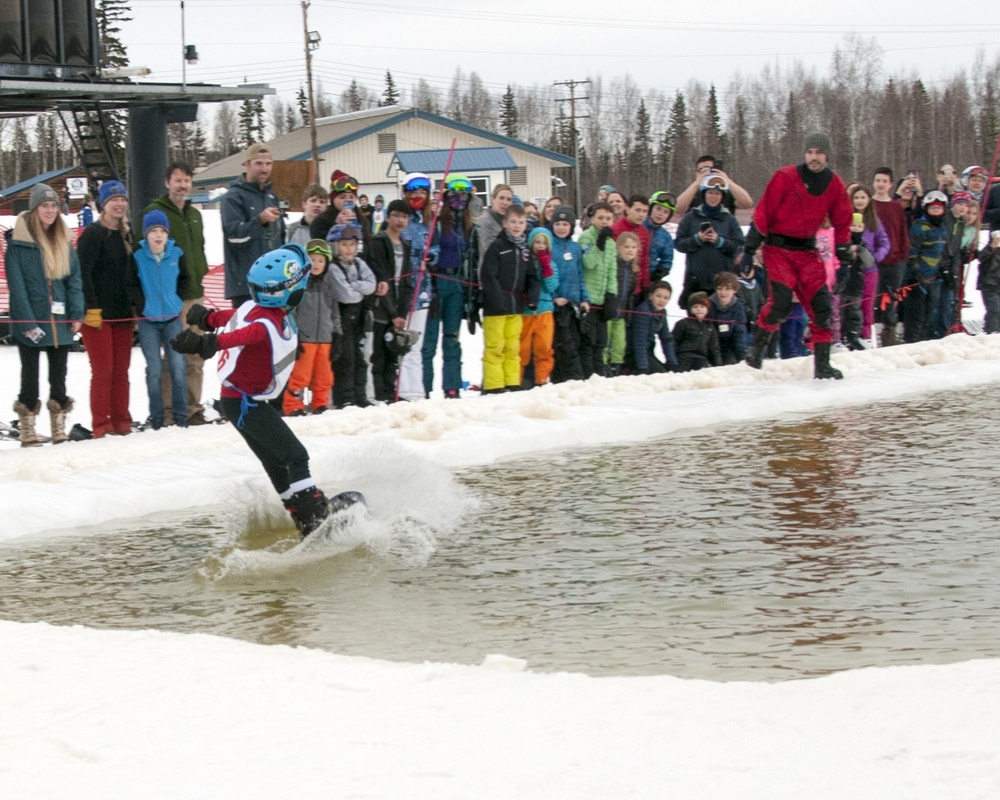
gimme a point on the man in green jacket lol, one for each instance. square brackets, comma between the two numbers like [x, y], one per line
[188, 234]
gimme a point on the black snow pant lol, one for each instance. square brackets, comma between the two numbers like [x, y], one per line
[350, 370]
[593, 342]
[384, 363]
[566, 343]
[890, 278]
[283, 456]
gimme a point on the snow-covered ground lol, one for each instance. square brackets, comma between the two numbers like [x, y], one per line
[94, 714]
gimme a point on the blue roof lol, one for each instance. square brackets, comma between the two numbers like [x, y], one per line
[47, 176]
[415, 113]
[466, 159]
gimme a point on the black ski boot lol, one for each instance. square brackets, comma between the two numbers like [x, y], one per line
[821, 363]
[853, 342]
[758, 347]
[308, 509]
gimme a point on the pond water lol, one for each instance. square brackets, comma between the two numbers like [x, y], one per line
[764, 551]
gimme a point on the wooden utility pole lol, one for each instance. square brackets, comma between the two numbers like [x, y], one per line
[573, 117]
[311, 43]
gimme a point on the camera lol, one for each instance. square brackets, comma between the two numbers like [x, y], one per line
[283, 206]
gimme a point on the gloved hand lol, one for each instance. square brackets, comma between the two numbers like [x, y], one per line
[433, 254]
[93, 318]
[197, 316]
[191, 343]
[842, 278]
[602, 238]
[336, 345]
[843, 252]
[746, 262]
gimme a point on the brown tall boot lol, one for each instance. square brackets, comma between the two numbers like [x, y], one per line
[57, 413]
[889, 336]
[26, 424]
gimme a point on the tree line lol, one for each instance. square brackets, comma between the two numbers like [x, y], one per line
[638, 141]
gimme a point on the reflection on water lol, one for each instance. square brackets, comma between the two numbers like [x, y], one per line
[760, 551]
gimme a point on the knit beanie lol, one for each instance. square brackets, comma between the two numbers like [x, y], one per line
[819, 140]
[697, 299]
[111, 189]
[536, 232]
[341, 182]
[155, 219]
[41, 194]
[564, 214]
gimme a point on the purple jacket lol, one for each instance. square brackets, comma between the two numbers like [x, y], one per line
[878, 245]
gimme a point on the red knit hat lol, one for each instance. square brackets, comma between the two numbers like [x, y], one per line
[341, 182]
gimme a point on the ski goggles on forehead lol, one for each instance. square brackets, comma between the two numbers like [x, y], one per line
[344, 185]
[416, 184]
[664, 199]
[319, 246]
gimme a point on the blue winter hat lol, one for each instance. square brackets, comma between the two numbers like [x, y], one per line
[155, 219]
[540, 231]
[111, 189]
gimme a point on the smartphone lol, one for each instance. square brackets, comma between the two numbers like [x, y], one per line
[859, 220]
[705, 226]
[912, 173]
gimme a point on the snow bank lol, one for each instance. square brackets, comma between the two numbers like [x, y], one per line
[96, 714]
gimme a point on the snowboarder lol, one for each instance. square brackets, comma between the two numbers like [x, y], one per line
[797, 200]
[258, 345]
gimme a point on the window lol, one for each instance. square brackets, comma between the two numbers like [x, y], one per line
[518, 176]
[387, 143]
[481, 189]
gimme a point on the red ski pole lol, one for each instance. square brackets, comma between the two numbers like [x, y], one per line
[427, 246]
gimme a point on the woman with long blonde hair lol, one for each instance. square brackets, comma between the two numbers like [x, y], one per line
[46, 306]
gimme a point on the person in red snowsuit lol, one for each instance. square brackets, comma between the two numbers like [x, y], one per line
[797, 200]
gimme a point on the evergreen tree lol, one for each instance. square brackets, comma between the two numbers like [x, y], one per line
[715, 140]
[508, 114]
[258, 119]
[354, 101]
[641, 159]
[110, 15]
[390, 96]
[676, 146]
[199, 146]
[302, 101]
[922, 130]
[792, 135]
[247, 122]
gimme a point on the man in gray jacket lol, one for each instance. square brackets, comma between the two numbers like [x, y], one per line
[251, 221]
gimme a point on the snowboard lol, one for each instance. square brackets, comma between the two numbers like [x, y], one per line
[340, 503]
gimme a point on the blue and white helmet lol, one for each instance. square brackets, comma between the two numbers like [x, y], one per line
[278, 279]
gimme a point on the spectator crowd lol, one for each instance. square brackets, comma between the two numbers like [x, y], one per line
[560, 293]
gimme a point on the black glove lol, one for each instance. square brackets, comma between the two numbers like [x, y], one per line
[746, 262]
[844, 256]
[842, 278]
[191, 343]
[336, 343]
[197, 316]
[602, 238]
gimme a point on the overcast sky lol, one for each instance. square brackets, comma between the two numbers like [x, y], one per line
[661, 45]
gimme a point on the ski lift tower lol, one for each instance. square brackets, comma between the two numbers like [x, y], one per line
[49, 61]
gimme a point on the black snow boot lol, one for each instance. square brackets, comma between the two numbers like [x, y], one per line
[821, 363]
[758, 347]
[308, 509]
[853, 342]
